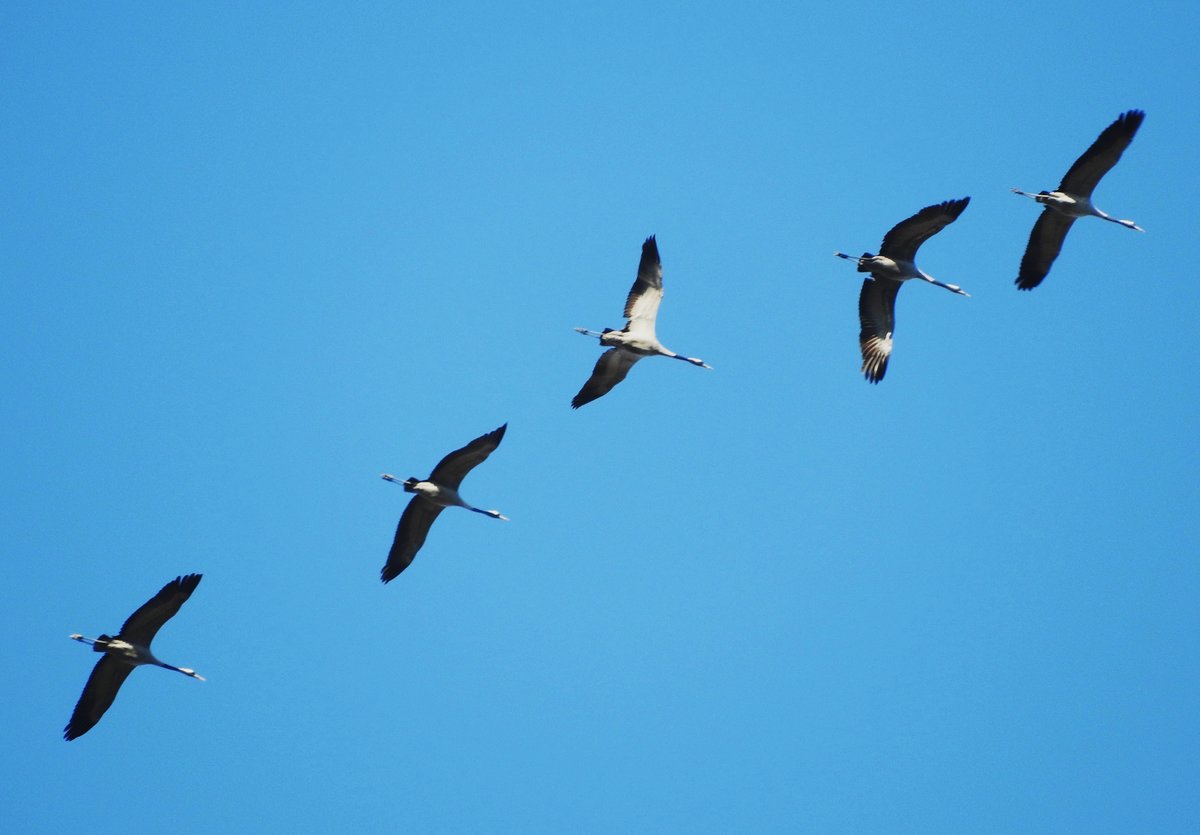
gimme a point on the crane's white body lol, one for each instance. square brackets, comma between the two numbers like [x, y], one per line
[639, 341]
[895, 269]
[1074, 206]
[135, 655]
[439, 494]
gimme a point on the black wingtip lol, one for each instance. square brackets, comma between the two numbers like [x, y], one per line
[650, 248]
[390, 572]
[1132, 119]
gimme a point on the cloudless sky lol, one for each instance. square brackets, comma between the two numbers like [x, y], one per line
[255, 254]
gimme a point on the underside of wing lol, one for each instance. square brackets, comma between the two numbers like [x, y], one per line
[143, 625]
[410, 536]
[1045, 242]
[877, 316]
[102, 685]
[451, 470]
[610, 369]
[1102, 155]
[903, 240]
[641, 306]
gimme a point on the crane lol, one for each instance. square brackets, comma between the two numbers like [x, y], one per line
[892, 267]
[130, 648]
[1073, 199]
[636, 339]
[433, 495]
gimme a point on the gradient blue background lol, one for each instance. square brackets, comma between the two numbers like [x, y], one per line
[253, 255]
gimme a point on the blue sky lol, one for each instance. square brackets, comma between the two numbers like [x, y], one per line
[253, 255]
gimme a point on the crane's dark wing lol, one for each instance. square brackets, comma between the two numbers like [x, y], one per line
[877, 315]
[1103, 155]
[641, 306]
[102, 685]
[143, 625]
[410, 536]
[451, 470]
[610, 369]
[905, 237]
[1045, 242]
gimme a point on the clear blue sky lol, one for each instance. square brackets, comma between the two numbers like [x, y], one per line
[253, 255]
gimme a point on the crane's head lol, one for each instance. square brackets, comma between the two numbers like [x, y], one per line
[408, 484]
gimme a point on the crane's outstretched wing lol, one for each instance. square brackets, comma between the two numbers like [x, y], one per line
[1045, 242]
[902, 241]
[1102, 155]
[143, 625]
[877, 315]
[451, 470]
[641, 306]
[410, 536]
[610, 369]
[102, 685]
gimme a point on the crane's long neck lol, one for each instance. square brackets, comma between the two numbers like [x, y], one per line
[97, 644]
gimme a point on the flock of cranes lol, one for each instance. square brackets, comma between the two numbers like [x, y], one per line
[888, 270]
